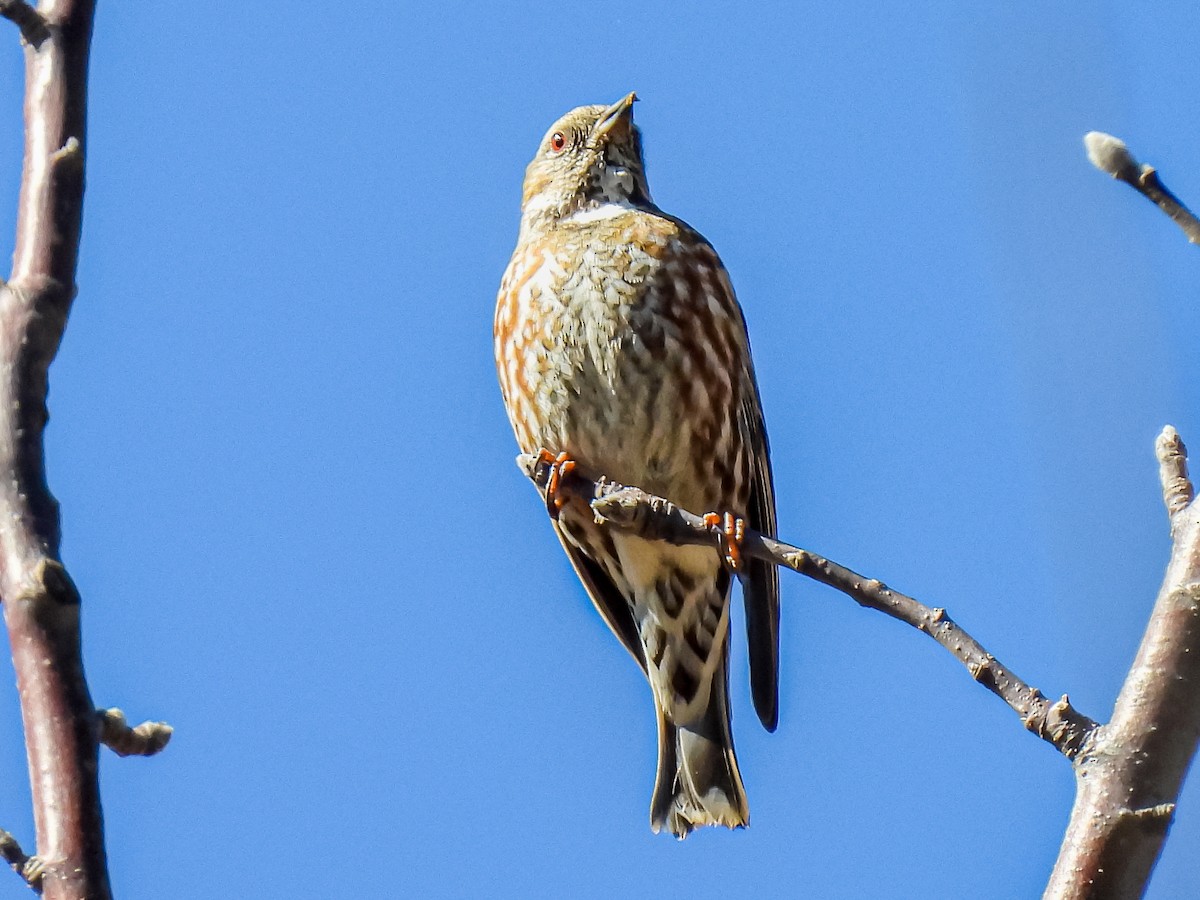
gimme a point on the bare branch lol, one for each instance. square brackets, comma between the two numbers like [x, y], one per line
[1128, 772]
[1129, 776]
[1109, 154]
[146, 739]
[29, 20]
[631, 509]
[40, 602]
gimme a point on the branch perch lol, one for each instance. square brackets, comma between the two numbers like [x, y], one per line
[1128, 772]
[655, 518]
[1111, 155]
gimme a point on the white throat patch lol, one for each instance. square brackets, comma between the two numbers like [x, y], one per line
[608, 210]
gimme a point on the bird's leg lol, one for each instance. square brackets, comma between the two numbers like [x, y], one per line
[732, 530]
[560, 467]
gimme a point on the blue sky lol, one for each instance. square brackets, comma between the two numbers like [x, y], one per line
[287, 480]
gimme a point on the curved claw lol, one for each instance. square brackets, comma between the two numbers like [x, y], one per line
[560, 467]
[732, 530]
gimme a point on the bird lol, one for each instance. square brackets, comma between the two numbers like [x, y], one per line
[621, 349]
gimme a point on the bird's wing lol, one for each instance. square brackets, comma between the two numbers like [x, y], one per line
[606, 597]
[760, 584]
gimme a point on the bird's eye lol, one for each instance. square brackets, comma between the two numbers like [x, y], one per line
[558, 141]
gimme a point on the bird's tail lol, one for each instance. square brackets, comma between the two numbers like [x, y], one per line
[698, 781]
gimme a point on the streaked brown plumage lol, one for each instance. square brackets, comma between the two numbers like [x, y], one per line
[619, 342]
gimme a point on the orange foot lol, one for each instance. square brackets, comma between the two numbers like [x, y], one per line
[560, 467]
[732, 530]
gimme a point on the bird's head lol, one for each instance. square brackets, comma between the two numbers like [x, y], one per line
[591, 156]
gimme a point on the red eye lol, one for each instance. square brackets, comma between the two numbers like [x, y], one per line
[557, 141]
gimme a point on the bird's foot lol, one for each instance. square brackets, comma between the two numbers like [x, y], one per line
[560, 467]
[732, 529]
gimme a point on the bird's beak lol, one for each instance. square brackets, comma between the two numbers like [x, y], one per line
[618, 118]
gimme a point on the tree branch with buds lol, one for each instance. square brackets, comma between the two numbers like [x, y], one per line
[632, 510]
[63, 730]
[1111, 155]
[1129, 771]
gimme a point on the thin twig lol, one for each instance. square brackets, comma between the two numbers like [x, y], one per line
[29, 20]
[146, 739]
[1177, 488]
[1111, 155]
[28, 867]
[633, 510]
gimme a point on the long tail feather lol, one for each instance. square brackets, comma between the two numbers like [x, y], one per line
[698, 781]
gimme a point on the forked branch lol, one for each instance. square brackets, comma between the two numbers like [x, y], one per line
[1128, 779]
[25, 17]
